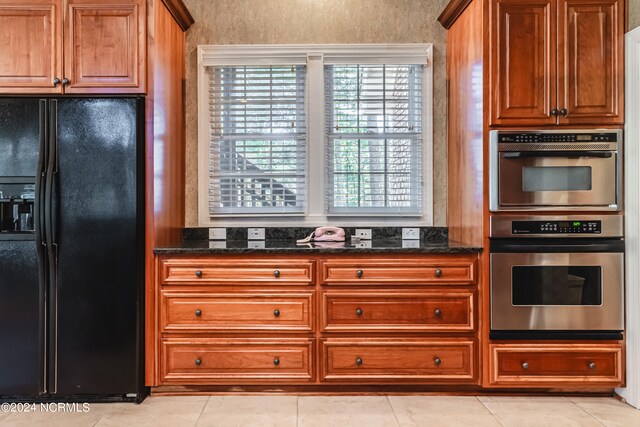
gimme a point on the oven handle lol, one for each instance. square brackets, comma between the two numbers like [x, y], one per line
[520, 154]
[560, 246]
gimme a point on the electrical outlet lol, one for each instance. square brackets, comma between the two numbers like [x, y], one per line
[255, 233]
[410, 243]
[363, 244]
[217, 244]
[363, 233]
[255, 244]
[410, 233]
[217, 234]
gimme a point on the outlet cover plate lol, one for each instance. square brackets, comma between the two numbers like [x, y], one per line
[363, 233]
[255, 233]
[217, 234]
[410, 233]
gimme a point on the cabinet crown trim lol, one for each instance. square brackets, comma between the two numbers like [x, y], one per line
[451, 13]
[180, 13]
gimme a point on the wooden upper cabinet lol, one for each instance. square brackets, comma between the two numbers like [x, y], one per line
[590, 57]
[31, 49]
[556, 62]
[523, 62]
[105, 46]
[72, 46]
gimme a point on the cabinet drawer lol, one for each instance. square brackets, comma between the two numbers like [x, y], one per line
[208, 271]
[577, 364]
[255, 311]
[401, 271]
[236, 360]
[397, 311]
[398, 360]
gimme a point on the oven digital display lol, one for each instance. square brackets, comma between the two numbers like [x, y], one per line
[583, 138]
[556, 227]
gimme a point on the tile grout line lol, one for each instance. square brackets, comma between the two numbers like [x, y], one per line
[588, 413]
[202, 411]
[489, 411]
[297, 411]
[393, 411]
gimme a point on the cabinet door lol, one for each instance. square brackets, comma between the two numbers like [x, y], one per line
[523, 62]
[105, 46]
[590, 61]
[30, 42]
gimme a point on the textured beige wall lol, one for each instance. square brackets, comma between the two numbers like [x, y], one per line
[634, 14]
[318, 21]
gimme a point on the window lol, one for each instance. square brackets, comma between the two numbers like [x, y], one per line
[374, 138]
[314, 134]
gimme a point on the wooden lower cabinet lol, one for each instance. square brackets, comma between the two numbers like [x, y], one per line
[559, 365]
[398, 360]
[227, 360]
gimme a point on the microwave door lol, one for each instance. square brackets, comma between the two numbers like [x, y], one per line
[546, 180]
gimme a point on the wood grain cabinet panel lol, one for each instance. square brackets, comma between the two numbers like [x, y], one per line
[237, 312]
[211, 271]
[591, 61]
[105, 46]
[523, 62]
[382, 271]
[31, 50]
[531, 365]
[388, 311]
[233, 361]
[394, 360]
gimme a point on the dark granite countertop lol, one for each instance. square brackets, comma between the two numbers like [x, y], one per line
[289, 246]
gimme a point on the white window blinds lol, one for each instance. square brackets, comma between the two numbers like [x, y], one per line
[374, 139]
[257, 139]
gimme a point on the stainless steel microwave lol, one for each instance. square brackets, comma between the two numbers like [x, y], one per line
[567, 170]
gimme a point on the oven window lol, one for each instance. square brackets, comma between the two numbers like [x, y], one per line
[556, 285]
[556, 178]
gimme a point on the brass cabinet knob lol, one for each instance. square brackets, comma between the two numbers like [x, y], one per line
[56, 81]
[198, 273]
[276, 273]
[198, 362]
[437, 312]
[437, 361]
[65, 81]
[276, 312]
[525, 365]
[276, 361]
[358, 361]
[359, 273]
[359, 311]
[438, 272]
[198, 312]
[592, 365]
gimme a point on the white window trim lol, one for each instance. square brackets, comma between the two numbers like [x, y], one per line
[315, 57]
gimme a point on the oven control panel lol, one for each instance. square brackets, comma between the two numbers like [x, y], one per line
[556, 227]
[557, 137]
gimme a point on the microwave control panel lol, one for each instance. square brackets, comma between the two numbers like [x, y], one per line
[556, 227]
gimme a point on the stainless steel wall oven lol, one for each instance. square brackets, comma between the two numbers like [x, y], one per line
[555, 276]
[559, 170]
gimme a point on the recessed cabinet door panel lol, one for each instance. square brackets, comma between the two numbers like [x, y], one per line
[105, 46]
[523, 62]
[590, 60]
[30, 44]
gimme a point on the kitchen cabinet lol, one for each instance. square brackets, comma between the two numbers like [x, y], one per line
[556, 62]
[73, 46]
[314, 320]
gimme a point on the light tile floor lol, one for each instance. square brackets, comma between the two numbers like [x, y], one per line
[343, 411]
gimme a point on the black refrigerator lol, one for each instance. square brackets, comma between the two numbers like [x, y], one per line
[71, 248]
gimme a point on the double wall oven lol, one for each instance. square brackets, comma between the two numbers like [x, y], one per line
[557, 275]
